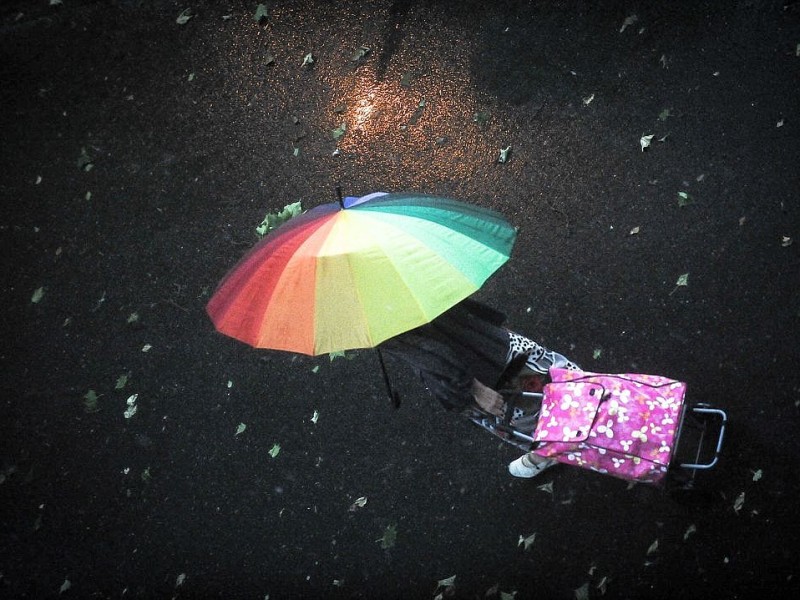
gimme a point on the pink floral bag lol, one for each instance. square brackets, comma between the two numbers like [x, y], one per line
[622, 425]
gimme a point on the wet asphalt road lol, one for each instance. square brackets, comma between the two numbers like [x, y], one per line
[139, 156]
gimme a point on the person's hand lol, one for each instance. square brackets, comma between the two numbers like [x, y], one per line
[487, 398]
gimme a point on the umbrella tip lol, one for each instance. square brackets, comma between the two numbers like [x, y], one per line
[339, 195]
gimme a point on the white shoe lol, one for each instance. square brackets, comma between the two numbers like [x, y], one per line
[526, 468]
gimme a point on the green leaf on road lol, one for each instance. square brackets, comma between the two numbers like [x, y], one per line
[90, 399]
[526, 542]
[184, 17]
[389, 537]
[85, 162]
[122, 381]
[273, 220]
[339, 131]
[481, 118]
[261, 13]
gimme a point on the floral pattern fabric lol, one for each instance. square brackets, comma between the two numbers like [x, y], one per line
[622, 425]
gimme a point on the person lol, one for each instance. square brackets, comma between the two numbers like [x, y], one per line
[465, 355]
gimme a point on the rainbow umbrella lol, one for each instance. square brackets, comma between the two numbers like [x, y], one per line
[353, 273]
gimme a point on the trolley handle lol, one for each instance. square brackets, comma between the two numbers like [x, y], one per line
[724, 419]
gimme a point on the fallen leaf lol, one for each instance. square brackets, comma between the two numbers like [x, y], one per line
[588, 100]
[481, 118]
[689, 531]
[527, 542]
[360, 53]
[122, 381]
[147, 348]
[274, 220]
[90, 402]
[582, 593]
[634, 231]
[505, 154]
[664, 114]
[786, 241]
[683, 281]
[597, 353]
[508, 595]
[780, 123]
[261, 13]
[389, 537]
[645, 140]
[339, 131]
[628, 22]
[446, 583]
[602, 585]
[37, 295]
[184, 17]
[180, 579]
[684, 199]
[418, 112]
[132, 408]
[547, 487]
[240, 429]
[65, 586]
[653, 548]
[85, 162]
[359, 503]
[738, 503]
[308, 60]
[273, 452]
[757, 475]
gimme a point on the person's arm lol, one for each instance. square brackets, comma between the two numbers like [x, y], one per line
[437, 365]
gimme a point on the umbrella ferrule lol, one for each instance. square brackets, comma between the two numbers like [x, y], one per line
[339, 196]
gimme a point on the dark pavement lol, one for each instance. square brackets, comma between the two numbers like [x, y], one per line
[139, 155]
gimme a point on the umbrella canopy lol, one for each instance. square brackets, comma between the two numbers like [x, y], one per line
[355, 273]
